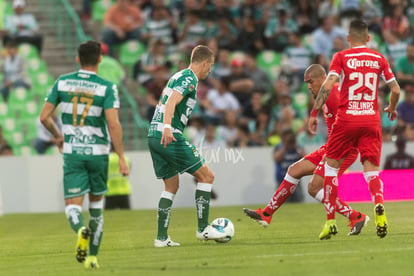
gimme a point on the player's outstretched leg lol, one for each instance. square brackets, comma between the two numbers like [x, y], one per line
[328, 230]
[258, 215]
[164, 213]
[285, 190]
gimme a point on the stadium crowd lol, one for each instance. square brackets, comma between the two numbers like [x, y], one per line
[255, 90]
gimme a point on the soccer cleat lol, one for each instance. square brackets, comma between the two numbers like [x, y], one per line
[381, 220]
[328, 230]
[357, 224]
[165, 243]
[210, 233]
[258, 216]
[91, 262]
[82, 244]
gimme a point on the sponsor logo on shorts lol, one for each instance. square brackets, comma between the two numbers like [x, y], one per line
[74, 190]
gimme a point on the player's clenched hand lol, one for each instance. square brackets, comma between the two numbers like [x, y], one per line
[123, 167]
[392, 114]
[167, 137]
[313, 125]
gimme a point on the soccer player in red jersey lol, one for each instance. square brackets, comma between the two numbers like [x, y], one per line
[313, 163]
[358, 121]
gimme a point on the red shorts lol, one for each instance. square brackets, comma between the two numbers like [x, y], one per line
[367, 139]
[316, 158]
[349, 159]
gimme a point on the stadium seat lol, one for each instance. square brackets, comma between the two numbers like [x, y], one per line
[269, 61]
[99, 8]
[300, 102]
[28, 51]
[130, 52]
[36, 66]
[4, 110]
[9, 125]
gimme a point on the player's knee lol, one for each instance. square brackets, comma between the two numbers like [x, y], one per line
[207, 178]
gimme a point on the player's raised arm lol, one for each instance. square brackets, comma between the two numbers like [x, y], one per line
[320, 101]
[391, 109]
[167, 135]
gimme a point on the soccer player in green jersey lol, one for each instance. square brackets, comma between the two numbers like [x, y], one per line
[89, 116]
[172, 154]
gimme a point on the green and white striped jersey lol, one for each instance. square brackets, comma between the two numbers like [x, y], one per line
[184, 82]
[83, 97]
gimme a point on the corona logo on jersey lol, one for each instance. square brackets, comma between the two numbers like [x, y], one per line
[354, 63]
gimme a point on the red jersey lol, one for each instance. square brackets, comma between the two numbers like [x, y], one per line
[330, 107]
[359, 69]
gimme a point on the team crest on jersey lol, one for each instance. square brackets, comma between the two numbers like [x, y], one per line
[191, 88]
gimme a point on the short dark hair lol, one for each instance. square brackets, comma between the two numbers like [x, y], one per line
[89, 53]
[358, 30]
[12, 43]
[201, 53]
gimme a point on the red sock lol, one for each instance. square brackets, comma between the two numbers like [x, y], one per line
[330, 187]
[345, 210]
[284, 191]
[375, 187]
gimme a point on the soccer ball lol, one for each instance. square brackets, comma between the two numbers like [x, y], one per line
[224, 225]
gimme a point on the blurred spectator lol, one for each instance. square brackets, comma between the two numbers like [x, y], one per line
[260, 78]
[255, 105]
[226, 34]
[394, 48]
[405, 67]
[349, 9]
[210, 141]
[283, 113]
[396, 22]
[305, 16]
[150, 61]
[122, 22]
[328, 8]
[109, 67]
[323, 37]
[250, 37]
[386, 124]
[339, 44]
[399, 160]
[22, 27]
[260, 128]
[372, 14]
[307, 140]
[161, 26]
[241, 84]
[155, 86]
[222, 65]
[243, 138]
[406, 111]
[6, 150]
[219, 100]
[3, 141]
[45, 139]
[14, 69]
[253, 9]
[278, 30]
[193, 30]
[322, 60]
[296, 58]
[285, 154]
[227, 131]
[119, 187]
[195, 130]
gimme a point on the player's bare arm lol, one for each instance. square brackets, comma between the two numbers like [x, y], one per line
[320, 101]
[115, 130]
[394, 97]
[167, 135]
[47, 121]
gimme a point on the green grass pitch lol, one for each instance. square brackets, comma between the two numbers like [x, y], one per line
[43, 244]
